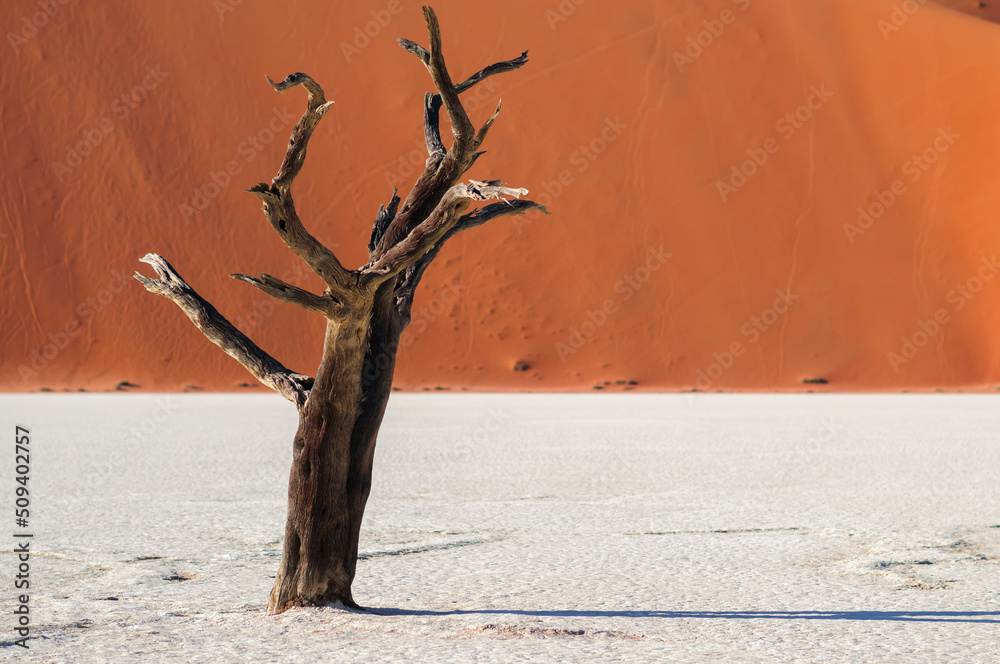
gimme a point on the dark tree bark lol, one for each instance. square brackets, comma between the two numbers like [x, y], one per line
[340, 411]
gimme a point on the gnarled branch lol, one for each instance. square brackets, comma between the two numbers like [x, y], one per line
[411, 277]
[316, 108]
[293, 386]
[444, 168]
[433, 59]
[495, 68]
[430, 231]
[432, 129]
[321, 304]
[386, 213]
[494, 210]
[279, 208]
[481, 134]
[432, 102]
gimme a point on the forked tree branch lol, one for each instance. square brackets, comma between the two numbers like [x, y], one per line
[461, 126]
[411, 277]
[420, 240]
[432, 105]
[430, 231]
[316, 108]
[432, 102]
[293, 386]
[444, 168]
[403, 241]
[279, 208]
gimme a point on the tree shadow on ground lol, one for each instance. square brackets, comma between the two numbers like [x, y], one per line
[900, 616]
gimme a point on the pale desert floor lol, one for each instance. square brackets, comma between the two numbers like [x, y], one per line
[636, 528]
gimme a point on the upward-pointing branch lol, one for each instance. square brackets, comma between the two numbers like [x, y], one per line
[461, 126]
[444, 168]
[279, 208]
[386, 213]
[432, 102]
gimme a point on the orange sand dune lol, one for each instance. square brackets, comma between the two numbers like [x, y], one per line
[744, 194]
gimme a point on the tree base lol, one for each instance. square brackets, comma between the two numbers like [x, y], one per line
[338, 603]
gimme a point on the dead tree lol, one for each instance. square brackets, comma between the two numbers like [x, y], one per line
[340, 410]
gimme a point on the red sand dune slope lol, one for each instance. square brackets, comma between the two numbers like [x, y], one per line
[744, 194]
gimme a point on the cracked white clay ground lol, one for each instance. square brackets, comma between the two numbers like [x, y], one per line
[636, 528]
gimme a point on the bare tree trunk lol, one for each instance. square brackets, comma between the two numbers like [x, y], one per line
[316, 564]
[340, 411]
[323, 528]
